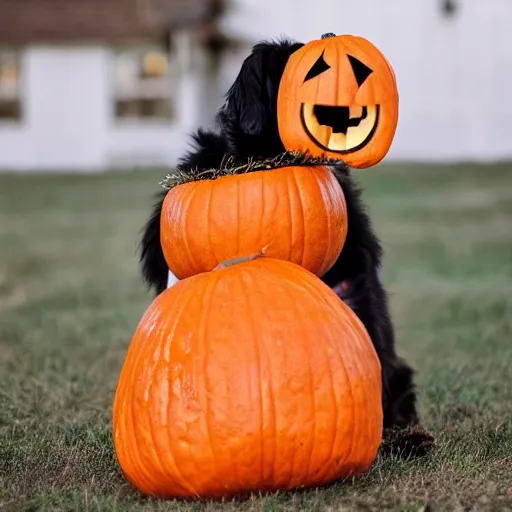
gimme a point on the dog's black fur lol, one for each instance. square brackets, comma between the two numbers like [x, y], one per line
[248, 128]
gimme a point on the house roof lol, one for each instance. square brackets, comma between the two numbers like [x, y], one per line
[25, 21]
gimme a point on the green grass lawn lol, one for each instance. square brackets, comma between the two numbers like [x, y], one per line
[71, 297]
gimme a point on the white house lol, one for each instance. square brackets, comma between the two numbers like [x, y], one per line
[96, 84]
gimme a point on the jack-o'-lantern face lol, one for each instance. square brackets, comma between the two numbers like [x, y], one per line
[338, 98]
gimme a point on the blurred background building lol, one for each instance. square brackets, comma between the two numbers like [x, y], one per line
[98, 84]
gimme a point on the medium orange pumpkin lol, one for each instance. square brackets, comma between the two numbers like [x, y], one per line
[255, 377]
[338, 97]
[295, 213]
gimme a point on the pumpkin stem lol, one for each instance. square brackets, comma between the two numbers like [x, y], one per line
[328, 34]
[241, 259]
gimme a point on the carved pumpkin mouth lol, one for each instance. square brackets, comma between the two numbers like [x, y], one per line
[340, 129]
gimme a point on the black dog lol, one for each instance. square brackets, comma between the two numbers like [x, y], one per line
[248, 128]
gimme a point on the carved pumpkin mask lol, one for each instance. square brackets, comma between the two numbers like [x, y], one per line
[338, 98]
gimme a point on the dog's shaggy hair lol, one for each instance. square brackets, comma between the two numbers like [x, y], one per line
[248, 129]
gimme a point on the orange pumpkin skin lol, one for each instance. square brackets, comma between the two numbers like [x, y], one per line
[293, 213]
[256, 377]
[353, 74]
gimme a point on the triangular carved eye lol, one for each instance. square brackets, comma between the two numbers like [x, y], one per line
[318, 67]
[361, 71]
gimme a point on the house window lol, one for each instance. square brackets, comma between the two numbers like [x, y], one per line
[10, 85]
[143, 85]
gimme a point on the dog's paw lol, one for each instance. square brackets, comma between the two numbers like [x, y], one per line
[412, 441]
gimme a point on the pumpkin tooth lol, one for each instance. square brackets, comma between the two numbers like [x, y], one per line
[355, 112]
[338, 142]
[322, 133]
[356, 135]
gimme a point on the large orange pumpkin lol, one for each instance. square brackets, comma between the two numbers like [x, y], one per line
[338, 97]
[295, 213]
[255, 377]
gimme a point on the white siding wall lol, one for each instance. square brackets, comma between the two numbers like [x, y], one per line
[68, 121]
[454, 74]
[66, 107]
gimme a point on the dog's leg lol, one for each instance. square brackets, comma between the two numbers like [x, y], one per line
[403, 433]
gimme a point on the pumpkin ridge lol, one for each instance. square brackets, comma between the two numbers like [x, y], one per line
[259, 365]
[183, 224]
[154, 316]
[134, 366]
[157, 458]
[271, 397]
[125, 453]
[352, 405]
[337, 59]
[135, 460]
[336, 396]
[317, 83]
[333, 204]
[120, 422]
[314, 291]
[263, 205]
[336, 400]
[207, 243]
[274, 414]
[118, 419]
[303, 215]
[327, 255]
[290, 217]
[176, 313]
[204, 320]
[310, 288]
[278, 274]
[209, 217]
[293, 305]
[155, 450]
